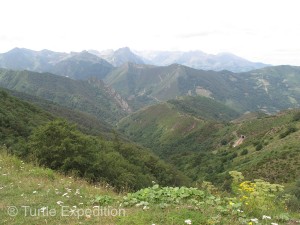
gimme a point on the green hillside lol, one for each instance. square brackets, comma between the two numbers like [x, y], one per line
[18, 119]
[92, 96]
[39, 137]
[204, 107]
[204, 150]
[270, 89]
[87, 123]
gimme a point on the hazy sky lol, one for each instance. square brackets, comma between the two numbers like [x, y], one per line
[259, 30]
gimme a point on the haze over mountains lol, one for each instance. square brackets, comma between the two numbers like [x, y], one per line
[138, 84]
[149, 116]
[75, 63]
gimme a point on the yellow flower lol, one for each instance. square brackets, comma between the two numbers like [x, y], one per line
[250, 223]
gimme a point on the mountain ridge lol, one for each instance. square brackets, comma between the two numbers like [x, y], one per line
[201, 60]
[270, 89]
[92, 96]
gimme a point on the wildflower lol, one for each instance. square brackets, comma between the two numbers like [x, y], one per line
[77, 192]
[145, 207]
[34, 192]
[274, 223]
[250, 223]
[59, 202]
[64, 194]
[266, 217]
[255, 220]
[231, 203]
[188, 221]
[240, 211]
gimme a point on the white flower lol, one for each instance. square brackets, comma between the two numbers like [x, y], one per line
[64, 194]
[255, 220]
[34, 192]
[274, 224]
[145, 207]
[188, 221]
[241, 211]
[59, 202]
[77, 192]
[266, 217]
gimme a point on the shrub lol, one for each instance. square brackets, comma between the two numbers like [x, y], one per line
[290, 130]
[259, 147]
[244, 152]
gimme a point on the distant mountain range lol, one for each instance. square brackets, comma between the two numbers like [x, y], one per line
[200, 60]
[80, 65]
[92, 63]
[119, 57]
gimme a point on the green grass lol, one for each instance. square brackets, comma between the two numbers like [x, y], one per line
[24, 185]
[29, 188]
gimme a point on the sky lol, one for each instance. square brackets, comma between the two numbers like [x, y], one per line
[259, 30]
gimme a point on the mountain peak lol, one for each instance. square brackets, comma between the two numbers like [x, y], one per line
[121, 56]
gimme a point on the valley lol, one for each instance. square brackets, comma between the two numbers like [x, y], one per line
[151, 131]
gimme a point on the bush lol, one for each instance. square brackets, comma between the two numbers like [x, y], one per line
[259, 147]
[290, 130]
[244, 152]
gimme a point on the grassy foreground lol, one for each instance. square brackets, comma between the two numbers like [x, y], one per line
[33, 195]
